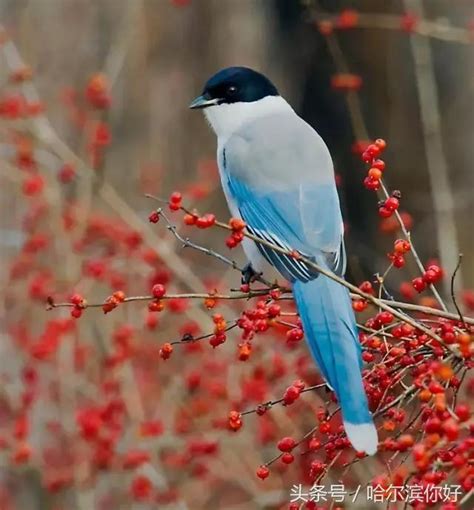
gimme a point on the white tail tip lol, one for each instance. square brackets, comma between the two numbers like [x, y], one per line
[363, 437]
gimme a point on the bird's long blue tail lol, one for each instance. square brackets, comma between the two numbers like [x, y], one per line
[331, 333]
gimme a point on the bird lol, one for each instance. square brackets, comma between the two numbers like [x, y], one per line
[277, 176]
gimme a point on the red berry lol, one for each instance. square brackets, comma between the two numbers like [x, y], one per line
[294, 335]
[286, 444]
[433, 425]
[66, 173]
[451, 429]
[392, 204]
[379, 163]
[205, 221]
[166, 350]
[76, 312]
[367, 356]
[433, 274]
[385, 317]
[176, 197]
[217, 340]
[263, 472]
[33, 185]
[317, 467]
[435, 387]
[201, 222]
[299, 384]
[429, 277]
[155, 306]
[367, 287]
[158, 291]
[401, 246]
[371, 184]
[238, 236]
[135, 458]
[77, 299]
[324, 427]
[174, 203]
[373, 150]
[119, 295]
[141, 488]
[347, 18]
[398, 261]
[235, 421]
[211, 219]
[287, 458]
[292, 393]
[409, 22]
[436, 269]
[406, 290]
[276, 293]
[359, 305]
[154, 217]
[97, 91]
[231, 242]
[384, 212]
[274, 310]
[463, 412]
[109, 304]
[418, 284]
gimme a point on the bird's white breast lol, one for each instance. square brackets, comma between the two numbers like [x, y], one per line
[226, 119]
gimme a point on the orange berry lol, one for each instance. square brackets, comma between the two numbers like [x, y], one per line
[440, 402]
[375, 173]
[119, 295]
[424, 395]
[237, 224]
[445, 372]
[210, 303]
[166, 350]
[189, 219]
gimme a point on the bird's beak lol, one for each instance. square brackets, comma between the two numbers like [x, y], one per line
[203, 102]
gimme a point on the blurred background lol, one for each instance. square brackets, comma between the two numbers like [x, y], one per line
[111, 81]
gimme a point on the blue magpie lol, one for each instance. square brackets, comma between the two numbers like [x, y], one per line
[277, 175]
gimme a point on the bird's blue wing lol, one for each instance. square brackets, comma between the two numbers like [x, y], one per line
[305, 218]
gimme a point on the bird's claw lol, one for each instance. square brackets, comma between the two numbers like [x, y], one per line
[249, 274]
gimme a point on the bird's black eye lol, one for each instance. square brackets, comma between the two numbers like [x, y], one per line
[231, 90]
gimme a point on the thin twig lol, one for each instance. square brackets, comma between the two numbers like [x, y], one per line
[453, 293]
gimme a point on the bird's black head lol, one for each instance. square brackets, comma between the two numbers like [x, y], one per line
[235, 85]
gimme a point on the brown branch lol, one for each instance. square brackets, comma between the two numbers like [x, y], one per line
[453, 293]
[443, 31]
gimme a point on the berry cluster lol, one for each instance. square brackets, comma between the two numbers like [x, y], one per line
[237, 225]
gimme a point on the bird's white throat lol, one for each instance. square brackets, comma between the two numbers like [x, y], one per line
[226, 119]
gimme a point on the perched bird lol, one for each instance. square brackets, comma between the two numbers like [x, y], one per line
[277, 175]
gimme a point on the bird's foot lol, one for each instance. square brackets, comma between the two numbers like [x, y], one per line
[249, 274]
